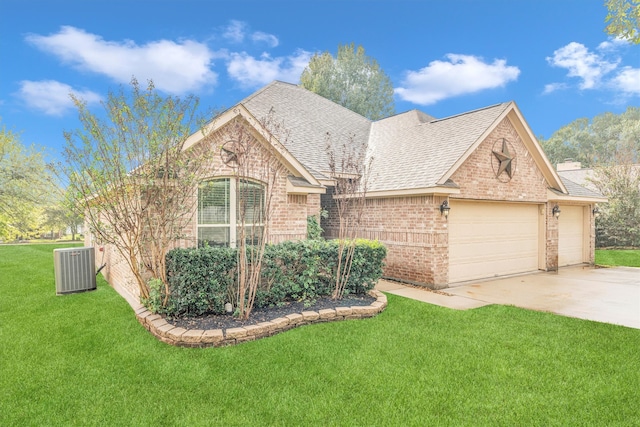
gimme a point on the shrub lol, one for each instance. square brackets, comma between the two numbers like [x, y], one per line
[202, 280]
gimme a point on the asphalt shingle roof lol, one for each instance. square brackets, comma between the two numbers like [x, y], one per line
[407, 151]
[578, 190]
[308, 117]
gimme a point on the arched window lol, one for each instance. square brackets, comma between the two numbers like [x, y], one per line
[223, 209]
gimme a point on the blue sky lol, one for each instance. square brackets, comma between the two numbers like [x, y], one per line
[551, 57]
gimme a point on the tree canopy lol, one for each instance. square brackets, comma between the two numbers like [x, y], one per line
[610, 145]
[351, 79]
[24, 186]
[623, 19]
[597, 141]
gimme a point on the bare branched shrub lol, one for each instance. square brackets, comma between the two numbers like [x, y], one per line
[256, 161]
[349, 169]
[129, 169]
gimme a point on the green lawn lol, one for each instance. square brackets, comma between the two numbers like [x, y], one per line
[624, 257]
[82, 359]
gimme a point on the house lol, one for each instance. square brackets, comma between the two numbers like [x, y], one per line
[461, 198]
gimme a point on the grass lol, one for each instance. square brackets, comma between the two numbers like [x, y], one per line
[618, 257]
[82, 359]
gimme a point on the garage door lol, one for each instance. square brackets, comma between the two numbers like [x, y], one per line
[571, 235]
[492, 239]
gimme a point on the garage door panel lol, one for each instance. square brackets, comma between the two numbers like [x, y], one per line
[571, 235]
[492, 239]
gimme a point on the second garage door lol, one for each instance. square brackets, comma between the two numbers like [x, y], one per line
[571, 235]
[492, 239]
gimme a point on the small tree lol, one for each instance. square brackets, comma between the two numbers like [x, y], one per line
[132, 176]
[349, 168]
[257, 170]
[619, 222]
[353, 80]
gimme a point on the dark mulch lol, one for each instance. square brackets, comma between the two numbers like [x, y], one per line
[214, 321]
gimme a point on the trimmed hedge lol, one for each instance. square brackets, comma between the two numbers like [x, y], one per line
[202, 280]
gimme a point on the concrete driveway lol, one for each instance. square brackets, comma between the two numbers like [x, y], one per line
[610, 295]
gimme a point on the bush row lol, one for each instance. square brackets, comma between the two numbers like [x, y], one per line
[202, 280]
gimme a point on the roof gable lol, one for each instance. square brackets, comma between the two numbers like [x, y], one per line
[291, 162]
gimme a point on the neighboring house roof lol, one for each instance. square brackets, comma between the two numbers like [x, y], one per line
[579, 176]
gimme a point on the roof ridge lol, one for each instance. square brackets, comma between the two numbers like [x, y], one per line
[472, 111]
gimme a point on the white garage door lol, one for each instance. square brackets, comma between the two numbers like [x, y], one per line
[571, 235]
[492, 239]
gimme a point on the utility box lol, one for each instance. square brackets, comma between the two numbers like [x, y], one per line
[75, 270]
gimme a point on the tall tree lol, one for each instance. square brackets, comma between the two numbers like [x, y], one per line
[623, 19]
[597, 141]
[351, 79]
[24, 185]
[132, 176]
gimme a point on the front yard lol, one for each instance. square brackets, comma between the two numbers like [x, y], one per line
[83, 359]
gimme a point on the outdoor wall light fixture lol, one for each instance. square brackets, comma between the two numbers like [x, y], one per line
[444, 209]
[596, 212]
[556, 211]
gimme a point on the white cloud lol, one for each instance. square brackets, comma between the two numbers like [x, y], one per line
[552, 87]
[269, 39]
[175, 68]
[588, 66]
[235, 31]
[628, 81]
[461, 74]
[52, 97]
[253, 72]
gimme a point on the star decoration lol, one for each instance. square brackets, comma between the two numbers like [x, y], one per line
[505, 158]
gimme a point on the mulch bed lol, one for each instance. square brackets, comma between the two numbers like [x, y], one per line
[258, 315]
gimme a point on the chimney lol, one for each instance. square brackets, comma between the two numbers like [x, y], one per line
[568, 165]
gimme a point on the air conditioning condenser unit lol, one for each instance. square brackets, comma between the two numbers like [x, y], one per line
[75, 270]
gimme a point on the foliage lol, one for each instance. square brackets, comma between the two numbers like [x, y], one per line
[25, 186]
[618, 257]
[351, 79]
[623, 19]
[619, 220]
[610, 144]
[202, 280]
[596, 142]
[133, 177]
[314, 229]
[512, 366]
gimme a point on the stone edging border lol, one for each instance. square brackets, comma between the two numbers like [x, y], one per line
[182, 337]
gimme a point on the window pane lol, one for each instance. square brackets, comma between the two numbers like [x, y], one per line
[250, 202]
[213, 202]
[214, 236]
[252, 236]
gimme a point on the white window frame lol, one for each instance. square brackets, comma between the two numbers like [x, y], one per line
[233, 225]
